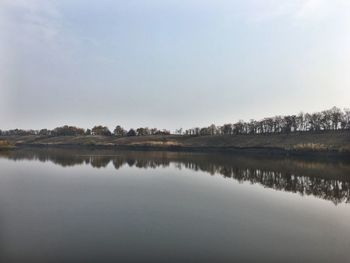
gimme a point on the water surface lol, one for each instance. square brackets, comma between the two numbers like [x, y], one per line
[107, 206]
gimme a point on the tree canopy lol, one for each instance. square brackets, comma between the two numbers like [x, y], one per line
[331, 119]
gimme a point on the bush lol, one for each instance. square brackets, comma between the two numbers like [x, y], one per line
[89, 143]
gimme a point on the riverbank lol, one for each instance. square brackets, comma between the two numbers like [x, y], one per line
[6, 145]
[305, 143]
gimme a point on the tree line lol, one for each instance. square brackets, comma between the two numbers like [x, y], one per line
[331, 119]
[96, 130]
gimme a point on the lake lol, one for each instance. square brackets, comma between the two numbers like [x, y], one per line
[61, 205]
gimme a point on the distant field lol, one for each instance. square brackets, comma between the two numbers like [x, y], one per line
[330, 141]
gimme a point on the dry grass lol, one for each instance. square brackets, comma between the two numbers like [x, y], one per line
[157, 143]
[5, 145]
[310, 147]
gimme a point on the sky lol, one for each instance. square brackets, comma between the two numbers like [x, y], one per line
[170, 63]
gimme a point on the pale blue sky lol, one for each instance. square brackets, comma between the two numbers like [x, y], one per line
[170, 64]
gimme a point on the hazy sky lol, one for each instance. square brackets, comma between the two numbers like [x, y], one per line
[170, 63]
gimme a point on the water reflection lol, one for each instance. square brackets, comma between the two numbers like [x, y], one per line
[329, 180]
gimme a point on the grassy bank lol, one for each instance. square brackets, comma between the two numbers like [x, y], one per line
[6, 145]
[306, 142]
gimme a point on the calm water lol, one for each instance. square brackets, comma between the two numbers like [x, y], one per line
[105, 206]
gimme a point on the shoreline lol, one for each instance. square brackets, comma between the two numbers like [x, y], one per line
[335, 144]
[252, 151]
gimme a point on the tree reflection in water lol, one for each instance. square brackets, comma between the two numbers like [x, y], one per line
[329, 180]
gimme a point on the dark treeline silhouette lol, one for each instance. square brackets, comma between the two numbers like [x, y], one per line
[76, 131]
[332, 119]
[323, 179]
